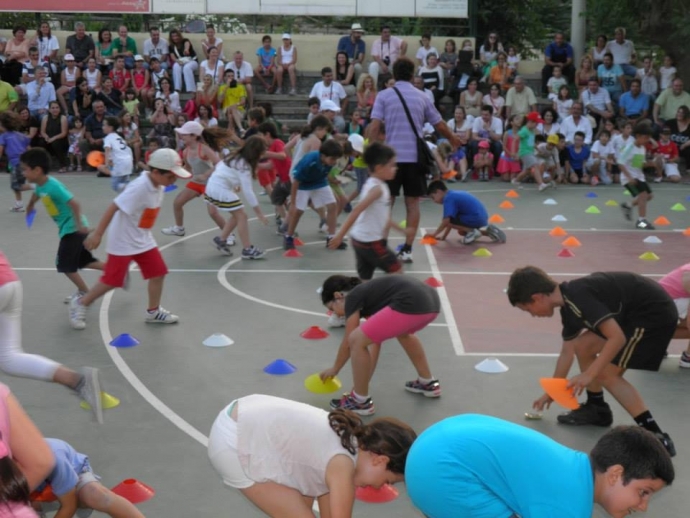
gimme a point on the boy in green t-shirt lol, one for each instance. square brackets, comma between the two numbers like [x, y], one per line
[66, 212]
[530, 164]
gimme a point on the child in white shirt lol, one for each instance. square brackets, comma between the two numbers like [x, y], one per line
[667, 72]
[556, 82]
[119, 159]
[631, 161]
[601, 159]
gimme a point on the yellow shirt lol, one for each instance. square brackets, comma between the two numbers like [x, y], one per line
[233, 96]
[7, 95]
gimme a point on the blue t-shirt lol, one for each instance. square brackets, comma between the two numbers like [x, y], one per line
[311, 172]
[634, 105]
[577, 159]
[465, 207]
[56, 197]
[609, 78]
[345, 45]
[14, 144]
[475, 466]
[266, 56]
[559, 54]
[69, 464]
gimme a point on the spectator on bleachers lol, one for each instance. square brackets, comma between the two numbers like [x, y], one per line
[332, 112]
[54, 131]
[495, 99]
[39, 93]
[366, 95]
[354, 47]
[205, 116]
[447, 60]
[667, 72]
[92, 74]
[345, 73]
[81, 97]
[576, 122]
[634, 104]
[513, 58]
[385, 52]
[103, 50]
[558, 52]
[623, 52]
[461, 125]
[141, 79]
[680, 132]
[80, 45]
[48, 46]
[329, 89]
[16, 53]
[487, 128]
[424, 50]
[667, 104]
[488, 52]
[500, 73]
[465, 69]
[556, 81]
[162, 125]
[266, 65]
[125, 46]
[471, 99]
[93, 129]
[8, 96]
[563, 103]
[121, 76]
[156, 47]
[418, 83]
[432, 74]
[597, 103]
[212, 66]
[599, 50]
[520, 99]
[232, 97]
[212, 41]
[585, 72]
[156, 73]
[129, 130]
[112, 98]
[649, 78]
[286, 61]
[184, 61]
[550, 126]
[612, 77]
[244, 73]
[29, 68]
[170, 97]
[68, 80]
[207, 95]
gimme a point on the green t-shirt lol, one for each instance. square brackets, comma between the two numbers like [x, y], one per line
[8, 95]
[526, 141]
[56, 198]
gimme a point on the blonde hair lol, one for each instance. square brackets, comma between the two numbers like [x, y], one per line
[360, 83]
[444, 149]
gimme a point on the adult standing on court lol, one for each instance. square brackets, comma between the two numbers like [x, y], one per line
[402, 137]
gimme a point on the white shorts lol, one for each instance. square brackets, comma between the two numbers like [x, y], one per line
[682, 306]
[225, 199]
[319, 198]
[671, 169]
[222, 450]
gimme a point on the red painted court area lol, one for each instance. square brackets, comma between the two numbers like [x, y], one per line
[486, 321]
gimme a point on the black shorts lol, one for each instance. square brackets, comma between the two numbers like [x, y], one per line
[412, 178]
[638, 187]
[372, 255]
[71, 255]
[645, 347]
[280, 193]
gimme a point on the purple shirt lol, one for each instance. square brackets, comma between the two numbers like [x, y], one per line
[399, 134]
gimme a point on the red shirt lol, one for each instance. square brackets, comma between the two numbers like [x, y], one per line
[119, 78]
[668, 150]
[282, 167]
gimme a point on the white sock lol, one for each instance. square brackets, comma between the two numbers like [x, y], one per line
[424, 381]
[358, 398]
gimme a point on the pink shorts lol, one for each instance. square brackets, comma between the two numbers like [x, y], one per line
[150, 263]
[388, 323]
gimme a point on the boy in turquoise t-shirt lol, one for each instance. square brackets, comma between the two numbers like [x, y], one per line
[66, 212]
[530, 164]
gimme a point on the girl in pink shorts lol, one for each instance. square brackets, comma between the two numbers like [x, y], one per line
[394, 306]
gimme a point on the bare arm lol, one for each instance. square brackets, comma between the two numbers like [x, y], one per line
[69, 503]
[344, 350]
[94, 239]
[339, 500]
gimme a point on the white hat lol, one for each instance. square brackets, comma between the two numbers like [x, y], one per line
[328, 105]
[69, 57]
[138, 57]
[190, 128]
[357, 142]
[168, 160]
[428, 129]
[356, 27]
[286, 36]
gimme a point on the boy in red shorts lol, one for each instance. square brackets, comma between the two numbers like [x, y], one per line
[131, 217]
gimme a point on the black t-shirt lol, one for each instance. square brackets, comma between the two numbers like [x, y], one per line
[94, 126]
[630, 299]
[80, 48]
[402, 293]
[111, 100]
[677, 136]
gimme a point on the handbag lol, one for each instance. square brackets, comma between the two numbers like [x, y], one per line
[424, 156]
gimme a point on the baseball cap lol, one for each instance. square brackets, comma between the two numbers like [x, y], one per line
[69, 57]
[535, 117]
[138, 57]
[168, 160]
[484, 144]
[357, 142]
[286, 36]
[328, 105]
[552, 139]
[356, 27]
[190, 128]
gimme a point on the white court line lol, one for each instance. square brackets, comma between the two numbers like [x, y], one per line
[455, 338]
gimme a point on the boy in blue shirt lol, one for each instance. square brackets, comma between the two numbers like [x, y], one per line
[310, 185]
[464, 213]
[76, 486]
[578, 154]
[475, 466]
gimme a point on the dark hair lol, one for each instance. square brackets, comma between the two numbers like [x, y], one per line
[326, 70]
[256, 114]
[436, 185]
[268, 127]
[488, 108]
[313, 100]
[560, 136]
[320, 121]
[538, 139]
[331, 148]
[18, 28]
[210, 26]
[39, 34]
[266, 37]
[154, 28]
[337, 283]
[403, 69]
[637, 81]
[11, 120]
[251, 152]
[267, 107]
[36, 157]
[580, 134]
[130, 91]
[527, 281]
[642, 129]
[377, 154]
[100, 34]
[452, 42]
[80, 80]
[113, 122]
[608, 55]
[550, 110]
[493, 47]
[605, 132]
[13, 484]
[685, 110]
[216, 137]
[638, 450]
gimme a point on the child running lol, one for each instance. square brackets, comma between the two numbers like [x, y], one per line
[631, 161]
[77, 487]
[13, 143]
[282, 455]
[677, 285]
[475, 466]
[628, 322]
[131, 216]
[394, 306]
[281, 165]
[118, 156]
[462, 212]
[530, 163]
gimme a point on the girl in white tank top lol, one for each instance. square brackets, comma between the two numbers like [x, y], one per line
[92, 77]
[286, 54]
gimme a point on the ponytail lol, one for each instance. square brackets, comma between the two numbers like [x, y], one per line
[216, 138]
[251, 152]
[386, 436]
[337, 283]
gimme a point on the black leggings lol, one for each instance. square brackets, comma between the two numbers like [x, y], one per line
[58, 148]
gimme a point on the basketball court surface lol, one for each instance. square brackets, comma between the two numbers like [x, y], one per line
[171, 387]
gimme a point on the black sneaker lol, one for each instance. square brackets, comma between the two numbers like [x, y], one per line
[667, 442]
[588, 413]
[627, 211]
[289, 243]
[644, 224]
[496, 234]
[341, 246]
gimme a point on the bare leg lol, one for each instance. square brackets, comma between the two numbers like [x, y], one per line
[415, 352]
[155, 289]
[181, 200]
[361, 361]
[331, 218]
[96, 496]
[96, 292]
[215, 215]
[278, 500]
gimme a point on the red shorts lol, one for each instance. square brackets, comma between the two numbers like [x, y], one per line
[266, 177]
[150, 263]
[388, 323]
[196, 187]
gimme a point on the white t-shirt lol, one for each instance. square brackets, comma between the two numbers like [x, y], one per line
[619, 142]
[371, 224]
[563, 108]
[211, 122]
[603, 150]
[464, 130]
[46, 46]
[667, 75]
[422, 53]
[120, 154]
[622, 52]
[156, 51]
[569, 128]
[335, 92]
[130, 230]
[478, 127]
[633, 158]
[216, 73]
[245, 70]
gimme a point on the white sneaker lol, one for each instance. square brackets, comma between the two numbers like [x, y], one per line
[471, 236]
[336, 321]
[544, 186]
[323, 228]
[658, 179]
[78, 294]
[231, 240]
[514, 181]
[77, 314]
[161, 316]
[173, 231]
[91, 392]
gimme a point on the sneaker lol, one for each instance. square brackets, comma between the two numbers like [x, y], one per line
[289, 243]
[684, 360]
[18, 207]
[221, 245]
[252, 253]
[282, 229]
[173, 231]
[627, 211]
[348, 402]
[77, 313]
[588, 413]
[405, 256]
[667, 442]
[431, 389]
[543, 186]
[466, 175]
[336, 321]
[323, 227]
[90, 392]
[471, 236]
[341, 246]
[644, 224]
[78, 294]
[659, 179]
[161, 316]
[515, 181]
[496, 234]
[278, 91]
[293, 91]
[230, 240]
